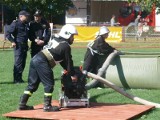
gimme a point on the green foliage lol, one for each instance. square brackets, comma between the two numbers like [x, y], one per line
[147, 5]
[55, 7]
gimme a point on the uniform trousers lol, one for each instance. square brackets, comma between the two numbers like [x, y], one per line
[40, 71]
[20, 55]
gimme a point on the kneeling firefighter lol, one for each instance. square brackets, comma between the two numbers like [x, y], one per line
[58, 50]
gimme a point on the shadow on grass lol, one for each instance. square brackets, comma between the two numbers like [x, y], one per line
[12, 83]
[94, 98]
[143, 115]
[56, 79]
[6, 49]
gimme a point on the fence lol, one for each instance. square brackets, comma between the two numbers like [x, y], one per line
[131, 33]
[146, 33]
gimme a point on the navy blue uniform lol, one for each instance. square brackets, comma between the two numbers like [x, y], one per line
[95, 51]
[18, 33]
[38, 31]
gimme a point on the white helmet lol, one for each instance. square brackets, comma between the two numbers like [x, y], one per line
[103, 30]
[67, 31]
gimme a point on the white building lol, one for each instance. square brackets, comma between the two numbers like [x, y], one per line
[86, 12]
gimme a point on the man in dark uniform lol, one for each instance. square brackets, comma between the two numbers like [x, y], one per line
[58, 50]
[18, 36]
[97, 52]
[39, 33]
[97, 49]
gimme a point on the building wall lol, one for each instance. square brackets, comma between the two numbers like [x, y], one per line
[79, 16]
[157, 22]
[102, 11]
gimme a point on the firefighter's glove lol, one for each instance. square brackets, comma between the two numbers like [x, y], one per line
[74, 78]
[39, 42]
[85, 72]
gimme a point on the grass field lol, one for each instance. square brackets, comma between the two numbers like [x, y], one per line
[10, 93]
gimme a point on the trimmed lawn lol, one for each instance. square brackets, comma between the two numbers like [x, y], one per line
[10, 93]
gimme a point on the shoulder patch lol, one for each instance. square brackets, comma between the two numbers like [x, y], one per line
[15, 21]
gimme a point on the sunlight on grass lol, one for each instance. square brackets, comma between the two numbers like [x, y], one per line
[10, 93]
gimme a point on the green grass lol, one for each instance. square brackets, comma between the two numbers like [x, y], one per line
[10, 93]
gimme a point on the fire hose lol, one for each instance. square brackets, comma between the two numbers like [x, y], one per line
[104, 67]
[121, 91]
[97, 78]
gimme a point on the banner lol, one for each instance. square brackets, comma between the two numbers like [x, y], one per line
[88, 33]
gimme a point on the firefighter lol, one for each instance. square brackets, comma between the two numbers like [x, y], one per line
[57, 51]
[39, 33]
[17, 34]
[97, 52]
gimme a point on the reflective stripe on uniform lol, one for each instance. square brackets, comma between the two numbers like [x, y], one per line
[92, 50]
[49, 57]
[48, 94]
[28, 93]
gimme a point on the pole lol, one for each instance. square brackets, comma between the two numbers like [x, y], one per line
[2, 17]
[3, 29]
[88, 11]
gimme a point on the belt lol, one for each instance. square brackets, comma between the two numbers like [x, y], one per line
[49, 57]
[22, 43]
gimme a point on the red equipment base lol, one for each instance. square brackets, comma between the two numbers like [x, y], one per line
[97, 111]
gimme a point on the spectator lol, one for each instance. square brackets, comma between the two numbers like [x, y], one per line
[112, 21]
[39, 33]
[17, 34]
[135, 23]
[137, 20]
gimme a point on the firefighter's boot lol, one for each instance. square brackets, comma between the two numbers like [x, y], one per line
[47, 105]
[23, 101]
[18, 78]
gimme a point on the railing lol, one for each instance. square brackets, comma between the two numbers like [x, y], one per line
[141, 32]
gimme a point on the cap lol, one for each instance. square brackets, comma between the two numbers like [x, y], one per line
[38, 13]
[24, 13]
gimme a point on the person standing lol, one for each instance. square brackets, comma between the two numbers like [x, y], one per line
[39, 33]
[17, 34]
[112, 21]
[58, 50]
[134, 24]
[137, 20]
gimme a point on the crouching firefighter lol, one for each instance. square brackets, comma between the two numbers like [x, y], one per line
[58, 50]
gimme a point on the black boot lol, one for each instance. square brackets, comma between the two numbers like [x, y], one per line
[23, 101]
[18, 78]
[47, 105]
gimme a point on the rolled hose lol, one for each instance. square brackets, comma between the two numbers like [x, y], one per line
[141, 53]
[109, 59]
[120, 90]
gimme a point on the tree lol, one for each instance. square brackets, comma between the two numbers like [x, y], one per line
[147, 5]
[49, 7]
